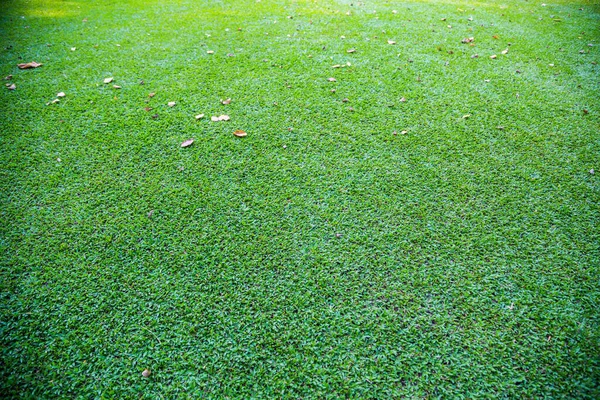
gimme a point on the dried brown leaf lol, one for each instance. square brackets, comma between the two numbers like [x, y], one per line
[391, 42]
[210, 52]
[108, 80]
[146, 373]
[199, 116]
[224, 118]
[351, 51]
[61, 94]
[29, 65]
[8, 77]
[152, 94]
[171, 104]
[493, 57]
[11, 87]
[332, 79]
[116, 86]
[240, 133]
[225, 102]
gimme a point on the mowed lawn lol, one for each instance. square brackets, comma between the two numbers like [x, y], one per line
[424, 225]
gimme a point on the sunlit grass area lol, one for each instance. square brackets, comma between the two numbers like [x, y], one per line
[423, 225]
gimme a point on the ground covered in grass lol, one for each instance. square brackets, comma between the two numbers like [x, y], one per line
[425, 224]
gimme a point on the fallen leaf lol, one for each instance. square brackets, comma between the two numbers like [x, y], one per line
[8, 77]
[11, 87]
[442, 19]
[53, 102]
[108, 80]
[466, 116]
[467, 40]
[332, 79]
[493, 57]
[61, 94]
[391, 42]
[351, 51]
[210, 52]
[394, 12]
[505, 51]
[403, 99]
[225, 102]
[345, 100]
[116, 86]
[147, 108]
[230, 54]
[214, 119]
[152, 94]
[146, 373]
[351, 109]
[28, 65]
[224, 118]
[199, 116]
[592, 171]
[73, 48]
[171, 104]
[342, 37]
[336, 66]
[240, 133]
[403, 132]
[187, 143]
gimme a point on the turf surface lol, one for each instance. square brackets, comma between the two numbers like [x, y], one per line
[322, 255]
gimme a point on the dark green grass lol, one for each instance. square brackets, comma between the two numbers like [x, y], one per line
[320, 256]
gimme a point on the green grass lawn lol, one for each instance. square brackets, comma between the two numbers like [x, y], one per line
[424, 226]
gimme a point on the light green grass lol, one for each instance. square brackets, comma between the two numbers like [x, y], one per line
[322, 255]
